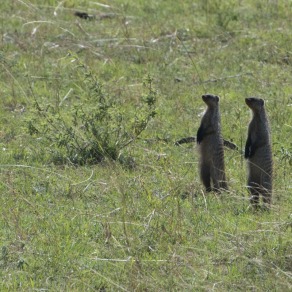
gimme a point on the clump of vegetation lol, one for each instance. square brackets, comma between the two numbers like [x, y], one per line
[93, 126]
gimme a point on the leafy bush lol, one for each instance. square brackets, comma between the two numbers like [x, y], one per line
[95, 125]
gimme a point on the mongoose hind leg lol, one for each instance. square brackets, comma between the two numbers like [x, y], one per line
[219, 187]
[223, 185]
[267, 189]
[206, 177]
[254, 194]
[266, 197]
[218, 178]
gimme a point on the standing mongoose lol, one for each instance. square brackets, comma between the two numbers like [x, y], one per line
[211, 146]
[258, 153]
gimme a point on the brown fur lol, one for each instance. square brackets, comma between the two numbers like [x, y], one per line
[258, 152]
[211, 146]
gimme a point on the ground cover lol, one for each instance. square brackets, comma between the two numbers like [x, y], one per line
[140, 221]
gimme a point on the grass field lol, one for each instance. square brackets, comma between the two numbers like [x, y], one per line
[140, 221]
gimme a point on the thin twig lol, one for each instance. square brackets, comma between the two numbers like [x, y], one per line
[129, 259]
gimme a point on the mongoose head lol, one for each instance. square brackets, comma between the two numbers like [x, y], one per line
[211, 100]
[255, 104]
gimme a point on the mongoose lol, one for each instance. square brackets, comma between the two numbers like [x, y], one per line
[211, 146]
[258, 153]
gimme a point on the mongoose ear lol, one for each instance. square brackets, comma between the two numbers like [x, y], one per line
[262, 102]
[217, 98]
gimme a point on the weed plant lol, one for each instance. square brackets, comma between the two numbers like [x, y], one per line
[94, 125]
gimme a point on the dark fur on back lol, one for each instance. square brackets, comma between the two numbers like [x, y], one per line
[258, 153]
[211, 146]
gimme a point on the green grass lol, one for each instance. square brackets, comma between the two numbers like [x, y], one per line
[150, 227]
